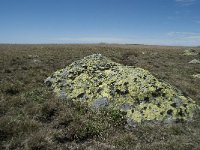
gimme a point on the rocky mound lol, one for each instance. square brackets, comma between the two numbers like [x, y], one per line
[100, 82]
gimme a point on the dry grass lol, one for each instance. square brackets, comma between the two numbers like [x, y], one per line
[31, 117]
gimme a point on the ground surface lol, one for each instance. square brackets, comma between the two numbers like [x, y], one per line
[31, 117]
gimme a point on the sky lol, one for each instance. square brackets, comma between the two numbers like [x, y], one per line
[153, 22]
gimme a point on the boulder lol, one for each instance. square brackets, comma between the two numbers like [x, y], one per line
[100, 82]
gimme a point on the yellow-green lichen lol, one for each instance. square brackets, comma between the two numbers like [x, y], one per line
[98, 81]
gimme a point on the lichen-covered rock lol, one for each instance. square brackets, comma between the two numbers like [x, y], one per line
[100, 82]
[196, 76]
[190, 52]
[194, 61]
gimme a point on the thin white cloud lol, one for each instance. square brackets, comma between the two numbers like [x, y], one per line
[189, 38]
[94, 39]
[185, 2]
[172, 38]
[197, 21]
[183, 33]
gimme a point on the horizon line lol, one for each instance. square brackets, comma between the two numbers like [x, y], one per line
[100, 43]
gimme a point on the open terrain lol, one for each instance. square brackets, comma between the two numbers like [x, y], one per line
[31, 117]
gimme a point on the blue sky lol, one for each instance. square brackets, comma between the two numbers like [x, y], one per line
[163, 22]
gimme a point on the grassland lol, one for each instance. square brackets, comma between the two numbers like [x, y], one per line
[31, 117]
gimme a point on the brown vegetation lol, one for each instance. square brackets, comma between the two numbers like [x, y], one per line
[31, 117]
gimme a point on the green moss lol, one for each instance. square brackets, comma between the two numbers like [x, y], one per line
[144, 97]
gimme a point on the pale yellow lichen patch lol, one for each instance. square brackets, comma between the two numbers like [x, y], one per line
[99, 81]
[136, 115]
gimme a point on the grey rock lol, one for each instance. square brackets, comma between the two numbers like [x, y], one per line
[131, 123]
[64, 73]
[125, 106]
[177, 101]
[168, 120]
[101, 102]
[49, 81]
[33, 56]
[37, 61]
[63, 95]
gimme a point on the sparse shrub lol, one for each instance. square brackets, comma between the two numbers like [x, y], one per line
[49, 111]
[12, 91]
[114, 117]
[38, 95]
[39, 141]
[177, 130]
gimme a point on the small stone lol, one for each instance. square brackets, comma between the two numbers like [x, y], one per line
[36, 61]
[33, 56]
